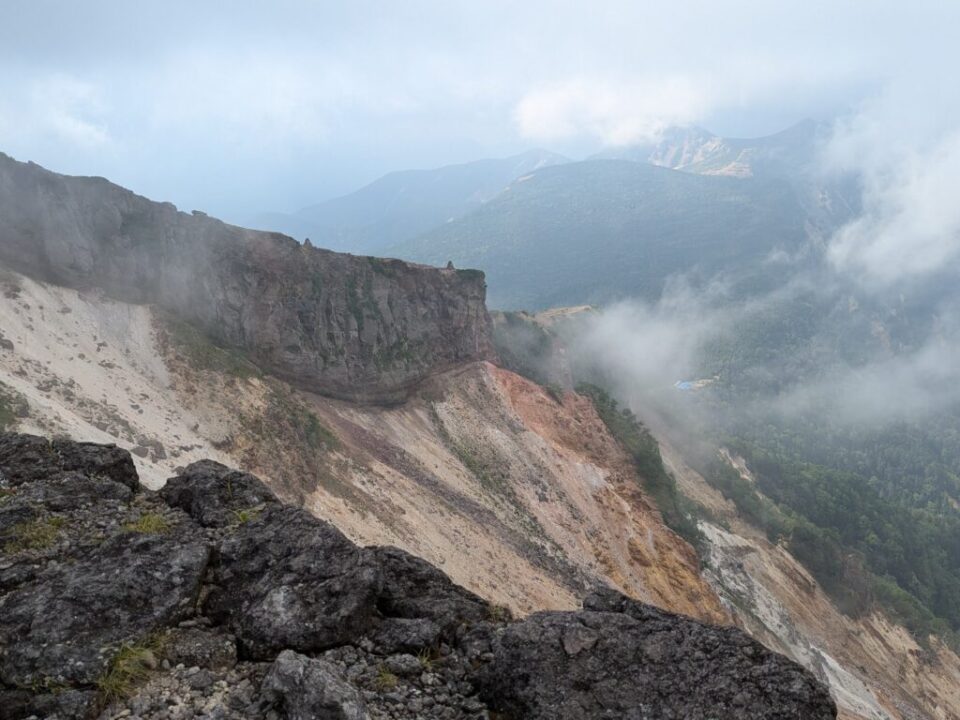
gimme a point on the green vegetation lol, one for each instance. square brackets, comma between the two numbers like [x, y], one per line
[861, 546]
[148, 524]
[12, 407]
[130, 668]
[498, 613]
[317, 435]
[397, 353]
[247, 514]
[203, 354]
[555, 392]
[382, 266]
[38, 534]
[643, 449]
[428, 657]
[386, 680]
[469, 274]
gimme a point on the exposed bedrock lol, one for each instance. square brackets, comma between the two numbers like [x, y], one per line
[366, 329]
[213, 595]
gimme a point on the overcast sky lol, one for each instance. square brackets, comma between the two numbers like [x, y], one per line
[237, 107]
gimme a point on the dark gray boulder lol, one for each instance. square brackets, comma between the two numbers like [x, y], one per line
[402, 635]
[288, 580]
[215, 495]
[413, 588]
[630, 661]
[93, 460]
[28, 458]
[302, 688]
[66, 624]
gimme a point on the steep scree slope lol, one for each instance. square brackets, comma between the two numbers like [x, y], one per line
[356, 327]
[108, 592]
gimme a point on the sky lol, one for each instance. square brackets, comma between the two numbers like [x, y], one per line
[244, 106]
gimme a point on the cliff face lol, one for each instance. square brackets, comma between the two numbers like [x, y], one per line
[353, 327]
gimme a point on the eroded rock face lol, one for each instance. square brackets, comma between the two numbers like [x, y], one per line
[220, 602]
[355, 327]
[622, 659]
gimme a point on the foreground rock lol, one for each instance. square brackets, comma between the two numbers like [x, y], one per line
[211, 599]
[622, 659]
[303, 689]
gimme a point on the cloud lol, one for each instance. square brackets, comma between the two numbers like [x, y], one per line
[910, 386]
[56, 109]
[614, 113]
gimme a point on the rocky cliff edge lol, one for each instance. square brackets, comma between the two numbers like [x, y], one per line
[359, 328]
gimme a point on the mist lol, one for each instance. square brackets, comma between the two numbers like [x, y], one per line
[242, 108]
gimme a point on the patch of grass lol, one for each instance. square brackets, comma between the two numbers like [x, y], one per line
[35, 534]
[386, 680]
[204, 354]
[247, 514]
[12, 407]
[129, 668]
[318, 435]
[428, 657]
[149, 524]
[555, 392]
[498, 613]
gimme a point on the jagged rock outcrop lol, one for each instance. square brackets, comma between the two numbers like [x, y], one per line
[112, 597]
[356, 327]
[619, 658]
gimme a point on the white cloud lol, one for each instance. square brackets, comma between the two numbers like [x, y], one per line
[614, 113]
[70, 110]
[911, 220]
[904, 145]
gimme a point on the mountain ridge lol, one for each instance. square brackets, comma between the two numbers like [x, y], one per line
[345, 325]
[405, 203]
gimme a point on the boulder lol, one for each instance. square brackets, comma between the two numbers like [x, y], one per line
[402, 635]
[623, 659]
[28, 458]
[215, 495]
[288, 580]
[415, 589]
[301, 688]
